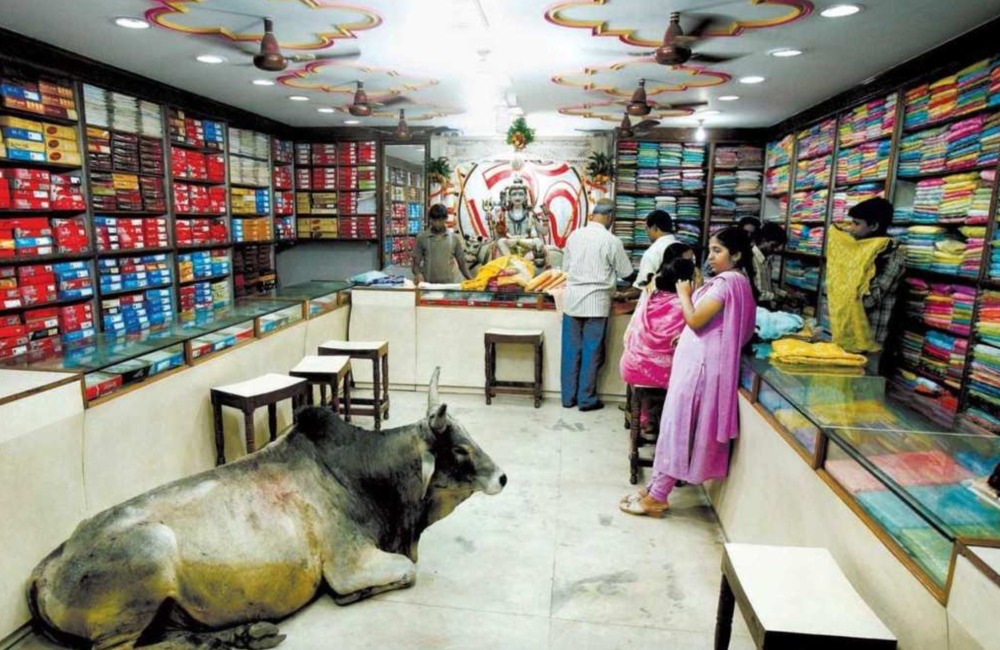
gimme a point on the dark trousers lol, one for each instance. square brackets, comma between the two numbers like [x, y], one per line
[582, 357]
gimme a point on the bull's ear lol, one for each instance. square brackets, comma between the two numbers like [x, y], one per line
[438, 418]
[433, 398]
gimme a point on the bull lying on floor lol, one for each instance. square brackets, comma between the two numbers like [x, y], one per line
[255, 540]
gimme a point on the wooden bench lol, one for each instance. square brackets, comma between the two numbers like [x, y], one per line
[247, 396]
[327, 371]
[378, 353]
[534, 338]
[795, 598]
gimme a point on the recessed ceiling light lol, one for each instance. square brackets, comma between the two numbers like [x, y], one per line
[752, 79]
[729, 98]
[263, 82]
[840, 11]
[210, 58]
[709, 111]
[131, 23]
[352, 121]
[785, 52]
[325, 110]
[298, 98]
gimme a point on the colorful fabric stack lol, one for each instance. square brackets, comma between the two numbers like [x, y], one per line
[748, 182]
[866, 162]
[779, 152]
[667, 203]
[802, 275]
[994, 99]
[739, 157]
[669, 180]
[693, 156]
[923, 152]
[961, 198]
[931, 399]
[647, 180]
[776, 180]
[688, 233]
[944, 306]
[669, 154]
[845, 199]
[975, 242]
[782, 210]
[941, 355]
[970, 90]
[978, 421]
[984, 378]
[817, 140]
[624, 230]
[724, 184]
[644, 205]
[961, 145]
[813, 173]
[648, 155]
[804, 238]
[693, 180]
[809, 207]
[988, 324]
[628, 151]
[920, 243]
[723, 209]
[688, 208]
[871, 121]
[624, 206]
[626, 180]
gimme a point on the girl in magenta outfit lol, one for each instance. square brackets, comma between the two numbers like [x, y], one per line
[658, 320]
[700, 413]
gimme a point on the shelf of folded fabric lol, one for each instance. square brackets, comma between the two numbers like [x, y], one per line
[928, 397]
[868, 122]
[945, 251]
[688, 233]
[813, 173]
[809, 206]
[945, 307]
[846, 198]
[973, 89]
[779, 152]
[805, 239]
[984, 376]
[865, 163]
[980, 417]
[934, 354]
[802, 274]
[742, 156]
[966, 145]
[777, 180]
[724, 208]
[817, 140]
[737, 183]
[775, 208]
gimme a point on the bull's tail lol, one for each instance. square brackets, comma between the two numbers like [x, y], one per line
[40, 620]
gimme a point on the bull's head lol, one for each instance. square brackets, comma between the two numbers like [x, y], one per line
[459, 467]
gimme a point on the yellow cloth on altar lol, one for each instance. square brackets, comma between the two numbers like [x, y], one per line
[491, 270]
[850, 267]
[796, 352]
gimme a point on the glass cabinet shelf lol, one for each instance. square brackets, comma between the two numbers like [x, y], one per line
[502, 299]
[318, 297]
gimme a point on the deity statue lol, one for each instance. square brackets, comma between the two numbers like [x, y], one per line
[515, 225]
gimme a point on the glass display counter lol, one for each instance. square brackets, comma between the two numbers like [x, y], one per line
[111, 363]
[920, 487]
[502, 299]
[317, 297]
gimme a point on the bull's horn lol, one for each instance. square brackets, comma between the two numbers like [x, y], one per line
[433, 398]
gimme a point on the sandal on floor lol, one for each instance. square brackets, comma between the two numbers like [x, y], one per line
[635, 496]
[644, 506]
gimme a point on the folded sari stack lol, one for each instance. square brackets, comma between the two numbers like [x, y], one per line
[944, 98]
[643, 206]
[801, 274]
[920, 243]
[688, 233]
[777, 179]
[749, 157]
[943, 356]
[726, 157]
[693, 180]
[798, 352]
[964, 146]
[668, 180]
[989, 139]
[723, 209]
[667, 203]
[931, 399]
[648, 155]
[688, 208]
[669, 154]
[693, 155]
[624, 229]
[648, 180]
[988, 323]
[779, 152]
[748, 182]
[724, 184]
[973, 87]
[924, 152]
[817, 140]
[944, 306]
[813, 173]
[984, 376]
[624, 207]
[626, 180]
[870, 121]
[976, 420]
[865, 162]
[994, 97]
[803, 238]
[949, 253]
[747, 206]
[911, 344]
[845, 199]
[628, 151]
[975, 242]
[916, 100]
[809, 207]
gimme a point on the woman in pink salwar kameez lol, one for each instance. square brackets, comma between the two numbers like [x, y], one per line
[700, 413]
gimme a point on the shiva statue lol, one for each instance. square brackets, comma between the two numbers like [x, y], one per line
[516, 227]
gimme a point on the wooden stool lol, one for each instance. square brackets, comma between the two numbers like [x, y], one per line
[378, 353]
[323, 372]
[248, 396]
[794, 597]
[534, 338]
[635, 394]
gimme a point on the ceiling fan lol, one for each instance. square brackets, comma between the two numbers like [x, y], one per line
[361, 107]
[639, 106]
[677, 46]
[270, 58]
[627, 130]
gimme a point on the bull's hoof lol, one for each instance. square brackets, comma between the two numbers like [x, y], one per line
[252, 636]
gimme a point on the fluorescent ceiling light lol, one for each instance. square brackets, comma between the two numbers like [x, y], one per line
[751, 79]
[352, 122]
[840, 11]
[263, 82]
[298, 98]
[210, 58]
[785, 52]
[325, 110]
[729, 98]
[131, 23]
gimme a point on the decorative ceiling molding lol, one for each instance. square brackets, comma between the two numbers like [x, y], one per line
[167, 13]
[414, 112]
[612, 111]
[380, 83]
[593, 78]
[559, 14]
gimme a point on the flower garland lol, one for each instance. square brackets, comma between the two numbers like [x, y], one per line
[519, 135]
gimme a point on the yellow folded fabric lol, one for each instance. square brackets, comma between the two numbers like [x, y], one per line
[796, 352]
[491, 270]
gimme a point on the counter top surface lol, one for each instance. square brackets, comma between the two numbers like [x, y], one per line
[16, 384]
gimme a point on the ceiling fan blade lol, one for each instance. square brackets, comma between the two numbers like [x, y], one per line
[702, 57]
[594, 130]
[705, 23]
[395, 100]
[643, 53]
[683, 105]
[645, 125]
[298, 58]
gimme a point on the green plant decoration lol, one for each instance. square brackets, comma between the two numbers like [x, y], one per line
[599, 167]
[439, 169]
[519, 135]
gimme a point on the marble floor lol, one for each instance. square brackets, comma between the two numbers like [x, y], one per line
[550, 562]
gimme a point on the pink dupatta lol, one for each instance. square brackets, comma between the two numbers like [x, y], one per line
[651, 339]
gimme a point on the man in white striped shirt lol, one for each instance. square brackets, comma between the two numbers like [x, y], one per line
[592, 259]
